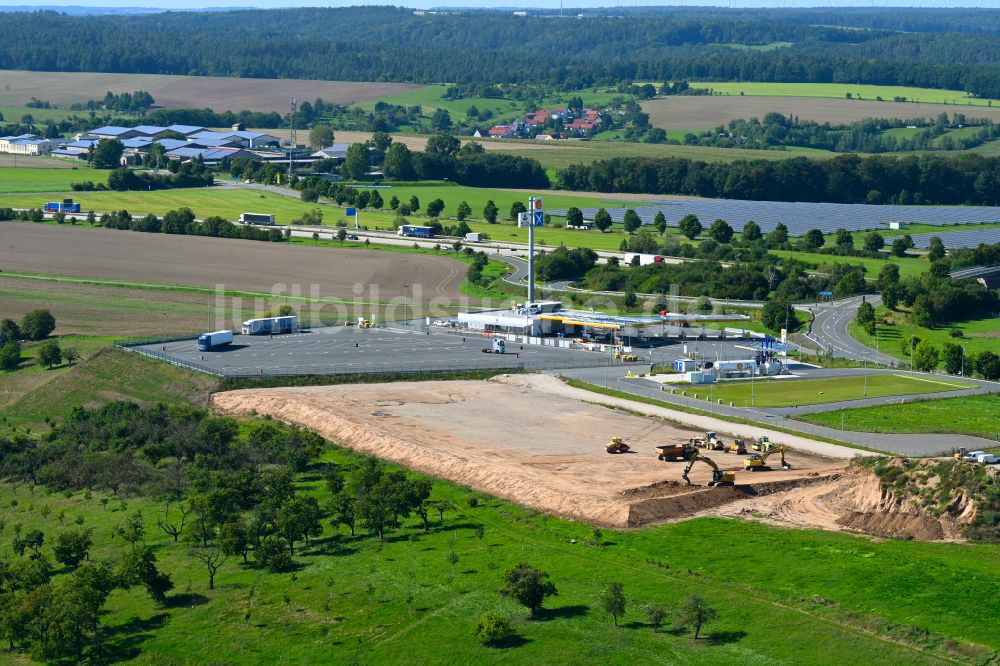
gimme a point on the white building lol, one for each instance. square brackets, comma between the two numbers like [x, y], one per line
[25, 144]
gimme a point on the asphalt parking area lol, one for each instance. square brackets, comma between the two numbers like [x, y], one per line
[348, 350]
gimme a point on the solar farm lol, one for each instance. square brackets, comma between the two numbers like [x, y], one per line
[800, 217]
[965, 238]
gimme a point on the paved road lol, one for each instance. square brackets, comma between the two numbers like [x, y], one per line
[903, 444]
[829, 330]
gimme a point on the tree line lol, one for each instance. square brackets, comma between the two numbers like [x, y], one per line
[398, 45]
[911, 179]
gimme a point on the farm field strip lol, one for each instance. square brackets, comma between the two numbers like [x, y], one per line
[197, 92]
[840, 91]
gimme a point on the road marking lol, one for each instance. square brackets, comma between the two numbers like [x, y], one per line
[932, 381]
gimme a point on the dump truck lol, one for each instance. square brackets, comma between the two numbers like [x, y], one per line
[758, 461]
[675, 452]
[617, 445]
[719, 478]
[214, 340]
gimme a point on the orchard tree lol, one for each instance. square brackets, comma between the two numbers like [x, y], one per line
[751, 231]
[72, 547]
[463, 211]
[49, 354]
[613, 601]
[10, 356]
[517, 208]
[528, 586]
[213, 558]
[844, 238]
[695, 613]
[493, 628]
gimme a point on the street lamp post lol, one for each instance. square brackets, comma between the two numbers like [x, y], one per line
[866, 374]
[163, 339]
[753, 371]
[406, 306]
[963, 360]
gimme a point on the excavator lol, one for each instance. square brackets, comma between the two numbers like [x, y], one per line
[719, 478]
[617, 445]
[758, 461]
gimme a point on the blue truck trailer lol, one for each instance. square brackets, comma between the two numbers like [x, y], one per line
[210, 341]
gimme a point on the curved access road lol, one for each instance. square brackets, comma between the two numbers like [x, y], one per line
[829, 330]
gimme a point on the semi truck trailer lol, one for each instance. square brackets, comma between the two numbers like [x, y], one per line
[270, 325]
[210, 341]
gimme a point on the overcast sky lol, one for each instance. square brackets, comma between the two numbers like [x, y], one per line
[536, 4]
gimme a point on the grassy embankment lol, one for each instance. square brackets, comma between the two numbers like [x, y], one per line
[792, 392]
[974, 415]
[978, 335]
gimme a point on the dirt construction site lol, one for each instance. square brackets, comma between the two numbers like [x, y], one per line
[530, 439]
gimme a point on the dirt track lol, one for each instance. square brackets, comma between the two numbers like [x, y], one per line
[188, 92]
[235, 264]
[510, 437]
[708, 112]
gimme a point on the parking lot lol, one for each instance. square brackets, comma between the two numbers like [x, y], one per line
[349, 350]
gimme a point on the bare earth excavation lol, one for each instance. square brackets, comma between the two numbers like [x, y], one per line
[513, 437]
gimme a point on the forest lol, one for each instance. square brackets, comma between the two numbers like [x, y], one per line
[386, 43]
[912, 179]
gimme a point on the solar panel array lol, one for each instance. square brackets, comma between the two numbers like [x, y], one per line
[966, 238]
[801, 217]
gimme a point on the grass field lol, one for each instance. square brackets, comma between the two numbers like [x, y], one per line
[791, 392]
[354, 599]
[975, 415]
[840, 90]
[47, 180]
[908, 266]
[107, 374]
[978, 335]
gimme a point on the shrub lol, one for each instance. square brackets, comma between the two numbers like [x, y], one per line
[493, 628]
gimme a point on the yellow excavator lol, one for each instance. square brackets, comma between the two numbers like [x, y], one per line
[617, 445]
[719, 478]
[758, 461]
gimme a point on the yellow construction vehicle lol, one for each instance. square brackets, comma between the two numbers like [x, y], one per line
[960, 453]
[675, 452]
[617, 445]
[738, 447]
[758, 461]
[719, 478]
[710, 441]
[623, 357]
[366, 323]
[763, 444]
